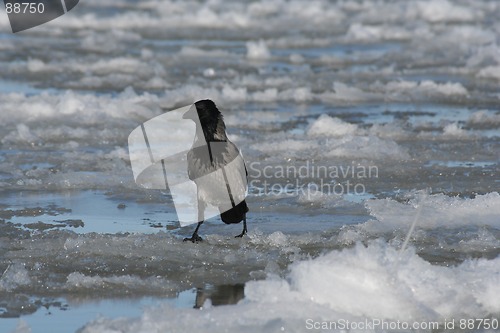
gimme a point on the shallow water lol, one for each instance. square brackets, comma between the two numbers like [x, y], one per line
[352, 123]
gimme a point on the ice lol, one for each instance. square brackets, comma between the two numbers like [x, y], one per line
[189, 51]
[438, 210]
[345, 284]
[257, 50]
[78, 281]
[109, 40]
[490, 72]
[328, 126]
[36, 65]
[360, 146]
[425, 88]
[484, 118]
[412, 91]
[14, 276]
[484, 55]
[473, 35]
[267, 95]
[446, 11]
[314, 195]
[395, 90]
[85, 107]
[25, 133]
[453, 130]
[371, 33]
[301, 94]
[330, 136]
[343, 92]
[483, 240]
[392, 130]
[366, 147]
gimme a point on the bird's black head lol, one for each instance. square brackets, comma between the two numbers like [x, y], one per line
[211, 120]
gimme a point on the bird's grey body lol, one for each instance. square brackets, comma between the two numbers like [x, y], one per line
[226, 168]
[217, 168]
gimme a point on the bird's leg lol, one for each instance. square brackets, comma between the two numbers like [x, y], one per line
[201, 212]
[244, 228]
[195, 238]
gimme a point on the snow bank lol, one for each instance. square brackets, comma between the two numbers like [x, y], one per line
[357, 284]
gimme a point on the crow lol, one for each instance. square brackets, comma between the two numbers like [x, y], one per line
[217, 168]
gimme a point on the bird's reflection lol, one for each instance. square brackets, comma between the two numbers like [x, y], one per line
[220, 295]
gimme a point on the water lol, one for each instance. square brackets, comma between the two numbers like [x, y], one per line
[353, 124]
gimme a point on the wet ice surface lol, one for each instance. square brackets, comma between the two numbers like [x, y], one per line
[352, 123]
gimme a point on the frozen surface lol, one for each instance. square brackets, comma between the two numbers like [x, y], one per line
[345, 285]
[354, 118]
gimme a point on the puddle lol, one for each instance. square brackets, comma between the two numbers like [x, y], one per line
[84, 212]
[73, 312]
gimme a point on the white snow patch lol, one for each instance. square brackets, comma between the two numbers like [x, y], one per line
[371, 147]
[437, 210]
[257, 50]
[455, 131]
[330, 126]
[446, 11]
[484, 117]
[348, 285]
[490, 72]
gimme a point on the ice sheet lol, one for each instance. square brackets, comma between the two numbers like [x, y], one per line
[305, 85]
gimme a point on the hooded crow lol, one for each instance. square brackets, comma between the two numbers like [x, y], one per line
[217, 168]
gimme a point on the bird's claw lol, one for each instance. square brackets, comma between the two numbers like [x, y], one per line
[194, 239]
[240, 235]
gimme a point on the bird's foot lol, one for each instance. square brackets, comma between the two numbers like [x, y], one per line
[194, 239]
[243, 233]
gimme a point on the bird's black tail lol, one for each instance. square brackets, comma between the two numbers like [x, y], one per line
[235, 214]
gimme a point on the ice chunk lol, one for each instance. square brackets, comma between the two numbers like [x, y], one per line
[490, 72]
[366, 147]
[426, 88]
[14, 276]
[484, 118]
[453, 130]
[446, 11]
[328, 126]
[343, 92]
[257, 50]
[438, 210]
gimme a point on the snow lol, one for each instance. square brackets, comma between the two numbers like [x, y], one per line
[346, 285]
[412, 92]
[257, 50]
[484, 117]
[490, 72]
[454, 130]
[328, 126]
[438, 210]
[445, 11]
